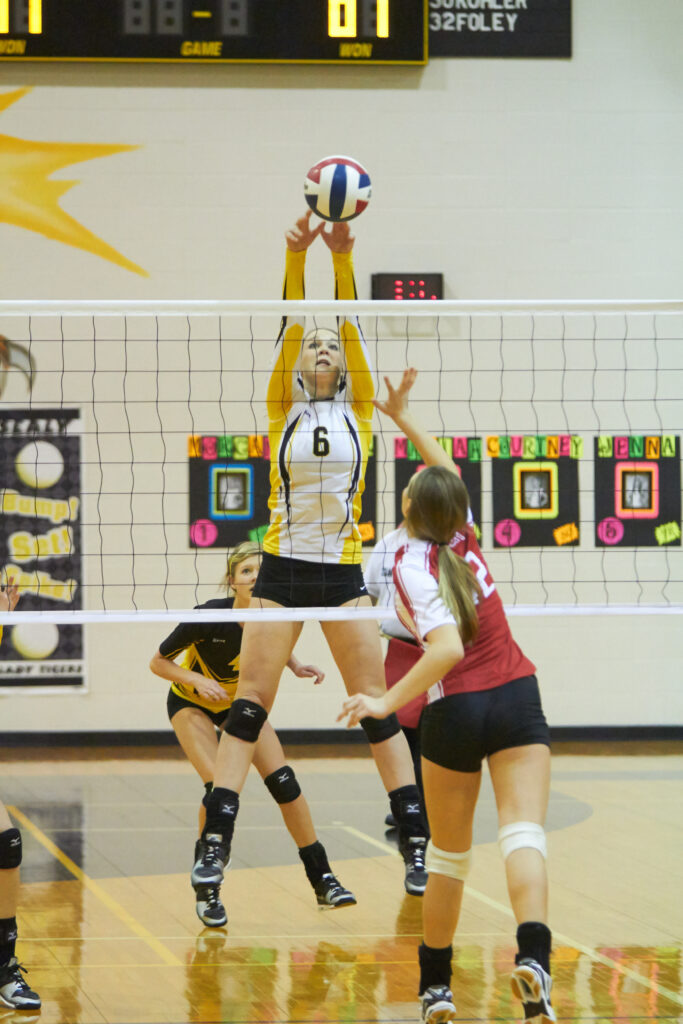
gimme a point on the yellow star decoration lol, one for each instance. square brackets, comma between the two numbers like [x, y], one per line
[29, 200]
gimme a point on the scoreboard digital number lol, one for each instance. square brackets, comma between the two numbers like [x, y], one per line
[216, 31]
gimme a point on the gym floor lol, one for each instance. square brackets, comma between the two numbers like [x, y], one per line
[108, 931]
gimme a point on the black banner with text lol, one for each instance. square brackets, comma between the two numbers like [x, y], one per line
[40, 544]
[500, 28]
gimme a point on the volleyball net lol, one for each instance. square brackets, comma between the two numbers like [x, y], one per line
[135, 452]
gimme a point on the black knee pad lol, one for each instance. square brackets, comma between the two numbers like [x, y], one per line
[10, 848]
[222, 806]
[283, 785]
[379, 729]
[208, 789]
[245, 720]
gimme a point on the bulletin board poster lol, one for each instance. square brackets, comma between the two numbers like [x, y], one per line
[466, 455]
[637, 491]
[229, 487]
[535, 483]
[41, 546]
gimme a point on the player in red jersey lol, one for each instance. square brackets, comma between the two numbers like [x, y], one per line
[484, 702]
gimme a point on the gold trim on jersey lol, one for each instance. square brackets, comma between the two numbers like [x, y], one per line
[194, 663]
[289, 408]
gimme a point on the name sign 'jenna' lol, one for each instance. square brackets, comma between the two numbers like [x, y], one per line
[637, 490]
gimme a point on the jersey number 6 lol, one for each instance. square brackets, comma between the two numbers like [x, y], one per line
[321, 446]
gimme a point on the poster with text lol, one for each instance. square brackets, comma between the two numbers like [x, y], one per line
[41, 545]
[229, 487]
[637, 490]
[535, 481]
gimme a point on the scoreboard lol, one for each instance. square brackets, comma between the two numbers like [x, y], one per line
[215, 31]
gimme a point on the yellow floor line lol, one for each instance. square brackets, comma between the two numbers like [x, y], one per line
[97, 890]
[566, 940]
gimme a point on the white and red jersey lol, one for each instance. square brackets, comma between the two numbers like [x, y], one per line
[494, 658]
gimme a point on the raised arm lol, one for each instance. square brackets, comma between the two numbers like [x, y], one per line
[288, 345]
[339, 241]
[396, 407]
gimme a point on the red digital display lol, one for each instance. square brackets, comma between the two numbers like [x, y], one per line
[416, 286]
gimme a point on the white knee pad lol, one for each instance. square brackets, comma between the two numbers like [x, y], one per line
[521, 835]
[441, 862]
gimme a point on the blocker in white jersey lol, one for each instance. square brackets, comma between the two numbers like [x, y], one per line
[320, 408]
[320, 404]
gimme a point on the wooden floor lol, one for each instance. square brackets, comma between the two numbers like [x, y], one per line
[109, 933]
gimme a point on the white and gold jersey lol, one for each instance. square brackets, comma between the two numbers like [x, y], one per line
[318, 449]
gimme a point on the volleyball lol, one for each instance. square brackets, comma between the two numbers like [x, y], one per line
[337, 188]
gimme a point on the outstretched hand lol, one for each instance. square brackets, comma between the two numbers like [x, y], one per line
[302, 234]
[361, 706]
[309, 672]
[9, 596]
[395, 405]
[339, 237]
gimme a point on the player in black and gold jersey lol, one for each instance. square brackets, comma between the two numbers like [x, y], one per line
[14, 991]
[203, 685]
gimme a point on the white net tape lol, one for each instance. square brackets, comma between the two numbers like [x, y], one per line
[129, 430]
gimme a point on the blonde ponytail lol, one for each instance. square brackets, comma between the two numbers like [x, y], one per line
[457, 589]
